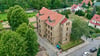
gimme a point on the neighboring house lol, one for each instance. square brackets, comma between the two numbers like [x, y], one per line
[87, 1]
[53, 26]
[76, 7]
[95, 21]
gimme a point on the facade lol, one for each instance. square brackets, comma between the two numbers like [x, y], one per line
[95, 21]
[76, 7]
[53, 26]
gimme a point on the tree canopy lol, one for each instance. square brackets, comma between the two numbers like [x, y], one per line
[79, 28]
[16, 16]
[12, 44]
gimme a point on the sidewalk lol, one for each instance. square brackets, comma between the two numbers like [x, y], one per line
[73, 49]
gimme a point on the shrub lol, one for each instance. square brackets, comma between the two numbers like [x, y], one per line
[80, 13]
[68, 12]
[12, 44]
[65, 13]
[89, 16]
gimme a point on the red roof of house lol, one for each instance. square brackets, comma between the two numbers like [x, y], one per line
[96, 18]
[74, 6]
[56, 17]
[87, 1]
[80, 5]
[63, 21]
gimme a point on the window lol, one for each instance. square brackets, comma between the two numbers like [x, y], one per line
[39, 20]
[66, 34]
[51, 33]
[66, 39]
[68, 23]
[67, 29]
[51, 28]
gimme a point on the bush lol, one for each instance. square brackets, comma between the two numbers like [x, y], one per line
[68, 12]
[80, 13]
[89, 16]
[65, 13]
[12, 44]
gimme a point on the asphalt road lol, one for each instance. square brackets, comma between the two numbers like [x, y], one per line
[79, 52]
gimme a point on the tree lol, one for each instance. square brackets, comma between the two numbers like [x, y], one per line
[65, 13]
[98, 53]
[22, 29]
[98, 9]
[84, 5]
[80, 13]
[89, 16]
[79, 28]
[17, 16]
[32, 43]
[12, 44]
[89, 4]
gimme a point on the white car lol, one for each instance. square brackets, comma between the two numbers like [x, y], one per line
[86, 54]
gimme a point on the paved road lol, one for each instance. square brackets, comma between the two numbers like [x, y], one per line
[79, 52]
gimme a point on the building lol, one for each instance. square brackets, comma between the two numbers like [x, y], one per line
[76, 7]
[95, 21]
[87, 1]
[53, 26]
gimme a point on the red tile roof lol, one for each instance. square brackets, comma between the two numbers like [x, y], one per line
[87, 1]
[96, 18]
[64, 21]
[74, 6]
[56, 17]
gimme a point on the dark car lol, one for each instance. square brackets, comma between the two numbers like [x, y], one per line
[93, 49]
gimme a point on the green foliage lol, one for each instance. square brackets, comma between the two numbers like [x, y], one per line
[98, 53]
[12, 44]
[79, 28]
[80, 13]
[65, 13]
[17, 16]
[22, 29]
[89, 16]
[71, 44]
[32, 43]
[98, 9]
[89, 4]
[84, 5]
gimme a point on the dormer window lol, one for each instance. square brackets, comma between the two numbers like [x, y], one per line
[49, 19]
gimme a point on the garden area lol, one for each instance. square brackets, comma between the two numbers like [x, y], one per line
[71, 44]
[20, 39]
[3, 16]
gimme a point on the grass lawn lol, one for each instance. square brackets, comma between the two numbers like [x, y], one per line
[3, 16]
[1, 26]
[71, 44]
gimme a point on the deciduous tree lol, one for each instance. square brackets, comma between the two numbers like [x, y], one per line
[17, 16]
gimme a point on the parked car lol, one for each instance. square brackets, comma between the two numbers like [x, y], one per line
[94, 49]
[86, 54]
